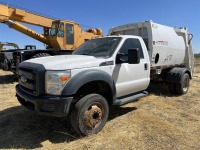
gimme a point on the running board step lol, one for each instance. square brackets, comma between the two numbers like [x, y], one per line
[131, 98]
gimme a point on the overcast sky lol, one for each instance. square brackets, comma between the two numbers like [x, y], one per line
[108, 13]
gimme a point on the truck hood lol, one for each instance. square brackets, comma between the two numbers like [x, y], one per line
[64, 62]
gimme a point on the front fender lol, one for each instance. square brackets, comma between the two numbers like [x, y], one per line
[86, 76]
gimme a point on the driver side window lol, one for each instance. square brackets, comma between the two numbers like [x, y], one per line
[130, 44]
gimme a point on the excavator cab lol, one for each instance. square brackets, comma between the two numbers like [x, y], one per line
[62, 34]
[68, 35]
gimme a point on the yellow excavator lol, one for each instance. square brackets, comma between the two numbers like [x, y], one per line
[58, 35]
[3, 45]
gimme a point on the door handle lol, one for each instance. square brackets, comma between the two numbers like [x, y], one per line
[145, 66]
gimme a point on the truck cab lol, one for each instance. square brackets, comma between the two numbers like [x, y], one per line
[102, 72]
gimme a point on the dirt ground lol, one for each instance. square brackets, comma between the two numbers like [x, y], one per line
[158, 121]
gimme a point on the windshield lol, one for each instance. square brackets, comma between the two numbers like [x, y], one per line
[54, 29]
[101, 47]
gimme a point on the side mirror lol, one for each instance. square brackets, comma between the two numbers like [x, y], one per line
[134, 56]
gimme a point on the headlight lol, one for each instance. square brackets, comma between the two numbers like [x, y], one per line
[55, 81]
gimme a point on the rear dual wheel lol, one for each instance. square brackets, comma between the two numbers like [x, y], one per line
[90, 114]
[180, 88]
[183, 87]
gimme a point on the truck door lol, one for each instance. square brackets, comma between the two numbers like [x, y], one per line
[131, 78]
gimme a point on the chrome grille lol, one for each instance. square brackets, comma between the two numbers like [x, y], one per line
[27, 80]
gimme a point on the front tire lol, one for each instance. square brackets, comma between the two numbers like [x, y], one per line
[90, 114]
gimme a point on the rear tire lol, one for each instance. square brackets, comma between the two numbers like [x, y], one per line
[183, 87]
[40, 55]
[6, 65]
[90, 114]
[172, 88]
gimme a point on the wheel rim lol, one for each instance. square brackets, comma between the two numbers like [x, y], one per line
[185, 84]
[6, 65]
[92, 117]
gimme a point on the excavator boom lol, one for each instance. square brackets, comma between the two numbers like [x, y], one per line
[19, 27]
[10, 13]
[58, 34]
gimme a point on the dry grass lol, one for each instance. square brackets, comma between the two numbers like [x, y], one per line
[158, 121]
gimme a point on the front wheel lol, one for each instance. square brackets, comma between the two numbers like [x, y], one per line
[90, 114]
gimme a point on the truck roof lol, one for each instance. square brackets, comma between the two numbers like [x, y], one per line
[123, 36]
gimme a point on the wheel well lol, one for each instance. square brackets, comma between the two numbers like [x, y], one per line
[98, 87]
[189, 73]
[174, 75]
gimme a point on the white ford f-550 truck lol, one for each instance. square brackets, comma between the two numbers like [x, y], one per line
[106, 71]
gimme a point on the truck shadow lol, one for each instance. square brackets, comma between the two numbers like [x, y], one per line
[160, 89]
[7, 79]
[27, 130]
